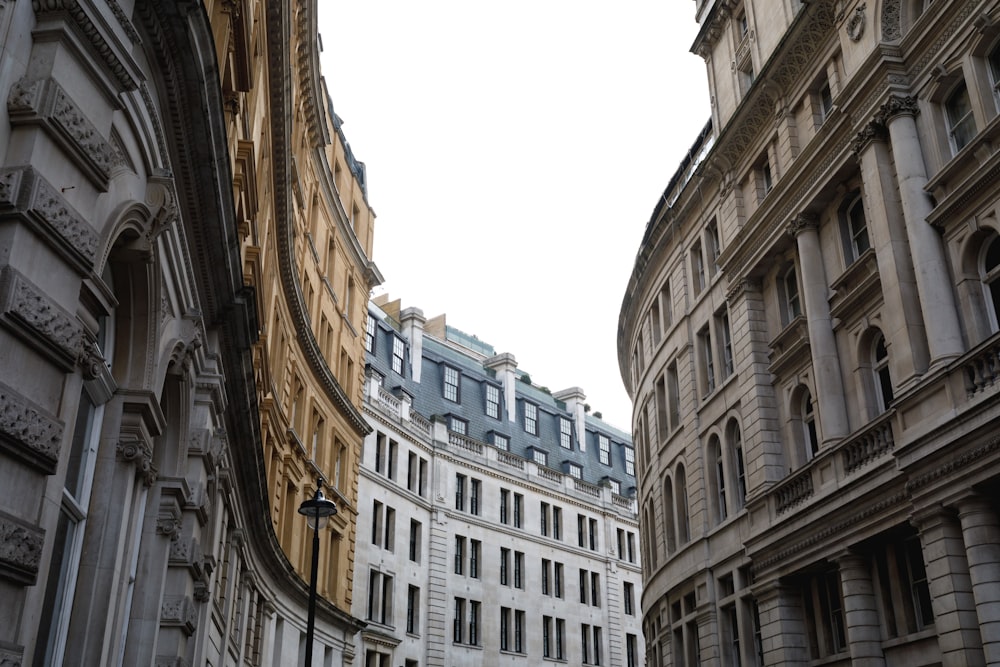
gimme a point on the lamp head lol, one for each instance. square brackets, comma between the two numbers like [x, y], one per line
[317, 510]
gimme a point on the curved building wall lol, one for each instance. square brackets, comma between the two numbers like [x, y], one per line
[805, 339]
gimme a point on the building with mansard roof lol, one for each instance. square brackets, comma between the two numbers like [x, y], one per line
[498, 517]
[185, 247]
[809, 337]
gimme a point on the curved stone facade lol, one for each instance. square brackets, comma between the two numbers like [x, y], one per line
[807, 337]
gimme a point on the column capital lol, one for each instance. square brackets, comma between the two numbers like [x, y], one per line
[742, 286]
[802, 222]
[874, 130]
[897, 105]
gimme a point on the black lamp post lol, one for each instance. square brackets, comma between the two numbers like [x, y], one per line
[316, 510]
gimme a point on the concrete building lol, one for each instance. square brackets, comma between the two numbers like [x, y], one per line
[167, 169]
[498, 519]
[810, 337]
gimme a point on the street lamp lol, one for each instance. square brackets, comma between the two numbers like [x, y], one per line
[316, 510]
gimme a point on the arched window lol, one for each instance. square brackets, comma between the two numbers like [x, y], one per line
[810, 435]
[670, 535]
[989, 274]
[734, 442]
[994, 61]
[683, 511]
[717, 479]
[880, 370]
[961, 122]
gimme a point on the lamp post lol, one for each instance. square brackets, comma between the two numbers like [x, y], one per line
[317, 510]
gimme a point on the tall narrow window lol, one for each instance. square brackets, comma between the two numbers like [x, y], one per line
[474, 491]
[707, 361]
[790, 285]
[604, 449]
[370, 335]
[493, 401]
[995, 74]
[857, 227]
[880, 367]
[989, 273]
[725, 341]
[735, 443]
[697, 268]
[714, 247]
[961, 123]
[810, 432]
[451, 384]
[719, 478]
[531, 418]
[398, 352]
[565, 433]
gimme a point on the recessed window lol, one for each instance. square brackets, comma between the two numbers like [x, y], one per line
[725, 342]
[565, 433]
[398, 352]
[707, 360]
[961, 123]
[629, 461]
[856, 228]
[540, 457]
[790, 292]
[825, 99]
[697, 268]
[370, 335]
[714, 247]
[501, 442]
[809, 432]
[616, 486]
[531, 418]
[493, 401]
[457, 425]
[995, 74]
[450, 389]
[575, 471]
[989, 273]
[880, 367]
[765, 179]
[604, 449]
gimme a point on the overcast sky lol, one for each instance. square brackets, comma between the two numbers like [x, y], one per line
[515, 151]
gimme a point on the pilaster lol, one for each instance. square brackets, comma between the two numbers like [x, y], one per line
[860, 611]
[782, 630]
[981, 532]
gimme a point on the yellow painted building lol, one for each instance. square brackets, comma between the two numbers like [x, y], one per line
[306, 230]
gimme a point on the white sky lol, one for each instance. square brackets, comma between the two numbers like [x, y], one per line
[515, 151]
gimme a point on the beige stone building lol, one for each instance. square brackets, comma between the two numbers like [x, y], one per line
[184, 268]
[810, 337]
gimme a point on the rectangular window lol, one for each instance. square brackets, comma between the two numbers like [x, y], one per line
[584, 581]
[459, 553]
[593, 534]
[390, 529]
[616, 486]
[504, 628]
[518, 570]
[707, 361]
[595, 589]
[518, 631]
[604, 449]
[450, 390]
[565, 433]
[546, 636]
[380, 598]
[531, 418]
[673, 396]
[518, 506]
[543, 518]
[632, 651]
[726, 341]
[474, 622]
[697, 268]
[415, 533]
[474, 490]
[412, 609]
[457, 425]
[575, 471]
[398, 352]
[540, 457]
[556, 523]
[557, 579]
[459, 623]
[460, 492]
[631, 547]
[585, 642]
[475, 552]
[370, 335]
[627, 598]
[501, 442]
[560, 642]
[714, 247]
[493, 401]
[581, 529]
[504, 503]
[504, 566]
[546, 567]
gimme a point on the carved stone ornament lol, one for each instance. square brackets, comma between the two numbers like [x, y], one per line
[90, 360]
[11, 656]
[20, 550]
[167, 525]
[856, 24]
[801, 223]
[44, 103]
[24, 194]
[179, 612]
[40, 323]
[873, 131]
[741, 287]
[897, 105]
[27, 432]
[140, 454]
[201, 592]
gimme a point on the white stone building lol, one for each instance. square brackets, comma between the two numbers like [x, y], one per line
[497, 521]
[810, 340]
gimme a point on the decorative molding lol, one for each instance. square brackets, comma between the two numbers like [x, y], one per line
[20, 550]
[62, 9]
[872, 131]
[179, 612]
[124, 21]
[44, 103]
[39, 322]
[28, 432]
[897, 105]
[944, 37]
[11, 655]
[802, 222]
[954, 464]
[891, 21]
[24, 194]
[742, 286]
[140, 454]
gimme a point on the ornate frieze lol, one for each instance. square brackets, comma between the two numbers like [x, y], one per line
[20, 550]
[891, 30]
[26, 311]
[139, 453]
[26, 195]
[44, 103]
[28, 432]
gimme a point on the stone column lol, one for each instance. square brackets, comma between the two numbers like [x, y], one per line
[981, 532]
[782, 629]
[822, 342]
[860, 613]
[951, 588]
[934, 285]
[902, 324]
